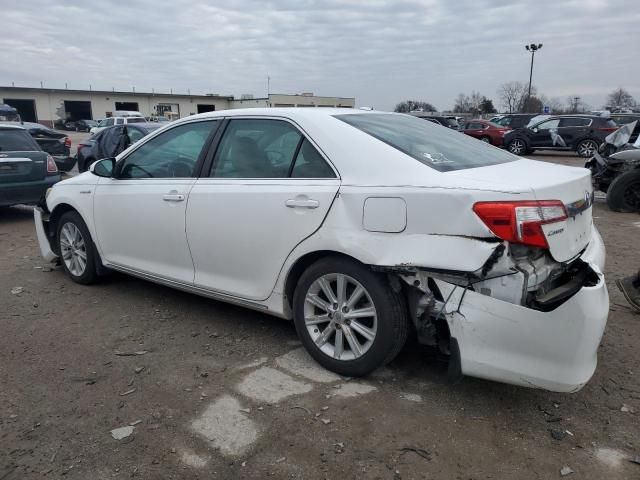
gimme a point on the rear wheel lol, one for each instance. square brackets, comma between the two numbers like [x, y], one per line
[517, 146]
[623, 194]
[76, 249]
[485, 139]
[587, 148]
[348, 318]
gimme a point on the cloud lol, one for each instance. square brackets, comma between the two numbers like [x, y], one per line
[381, 52]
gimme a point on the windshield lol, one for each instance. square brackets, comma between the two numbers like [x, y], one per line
[439, 148]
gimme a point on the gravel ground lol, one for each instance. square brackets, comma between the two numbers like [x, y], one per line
[208, 390]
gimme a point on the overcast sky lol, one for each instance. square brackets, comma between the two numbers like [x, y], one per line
[380, 52]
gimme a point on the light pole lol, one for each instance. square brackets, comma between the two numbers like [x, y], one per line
[533, 48]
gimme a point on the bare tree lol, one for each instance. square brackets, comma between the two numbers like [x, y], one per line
[620, 98]
[462, 104]
[576, 105]
[511, 95]
[414, 105]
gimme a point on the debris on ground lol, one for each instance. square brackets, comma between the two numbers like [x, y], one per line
[627, 408]
[564, 471]
[338, 447]
[134, 423]
[418, 451]
[635, 460]
[128, 392]
[298, 406]
[557, 434]
[130, 354]
[122, 432]
[281, 459]
[138, 369]
[17, 290]
[326, 421]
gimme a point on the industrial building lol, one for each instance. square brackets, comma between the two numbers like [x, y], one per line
[47, 105]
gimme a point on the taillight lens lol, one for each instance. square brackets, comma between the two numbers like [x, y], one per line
[67, 142]
[51, 165]
[521, 222]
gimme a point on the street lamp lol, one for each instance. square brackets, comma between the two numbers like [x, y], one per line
[533, 48]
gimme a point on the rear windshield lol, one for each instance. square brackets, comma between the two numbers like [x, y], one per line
[14, 140]
[439, 148]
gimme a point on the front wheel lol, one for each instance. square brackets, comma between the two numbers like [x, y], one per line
[587, 148]
[485, 139]
[517, 146]
[348, 318]
[623, 194]
[76, 249]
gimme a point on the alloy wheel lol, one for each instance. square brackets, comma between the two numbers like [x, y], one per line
[340, 316]
[73, 249]
[587, 148]
[517, 147]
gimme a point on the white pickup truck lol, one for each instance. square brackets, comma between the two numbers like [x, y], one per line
[118, 118]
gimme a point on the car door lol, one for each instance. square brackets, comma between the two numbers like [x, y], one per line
[474, 129]
[573, 128]
[544, 135]
[269, 188]
[139, 214]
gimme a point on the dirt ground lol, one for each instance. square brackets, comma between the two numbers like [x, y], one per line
[217, 391]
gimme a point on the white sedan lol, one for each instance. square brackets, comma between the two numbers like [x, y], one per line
[359, 226]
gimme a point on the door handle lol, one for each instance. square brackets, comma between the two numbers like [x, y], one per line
[173, 197]
[302, 203]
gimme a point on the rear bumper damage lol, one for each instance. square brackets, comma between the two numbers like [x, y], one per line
[539, 329]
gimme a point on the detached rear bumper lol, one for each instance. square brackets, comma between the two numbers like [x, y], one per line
[43, 238]
[555, 350]
[64, 162]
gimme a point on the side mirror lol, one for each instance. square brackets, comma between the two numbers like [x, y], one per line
[103, 168]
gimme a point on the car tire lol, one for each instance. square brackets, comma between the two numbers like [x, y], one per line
[77, 252]
[485, 139]
[587, 148]
[623, 194]
[517, 146]
[369, 339]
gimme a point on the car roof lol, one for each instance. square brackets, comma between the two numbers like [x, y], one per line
[11, 125]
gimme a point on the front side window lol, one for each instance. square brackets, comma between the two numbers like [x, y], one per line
[172, 154]
[442, 149]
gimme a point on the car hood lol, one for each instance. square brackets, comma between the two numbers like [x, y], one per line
[86, 178]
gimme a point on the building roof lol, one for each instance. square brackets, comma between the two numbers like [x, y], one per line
[114, 92]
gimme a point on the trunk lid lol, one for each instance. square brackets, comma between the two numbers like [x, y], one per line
[18, 167]
[546, 181]
[21, 159]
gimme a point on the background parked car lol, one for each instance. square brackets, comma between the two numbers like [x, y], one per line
[55, 143]
[486, 131]
[85, 125]
[513, 120]
[111, 141]
[624, 118]
[581, 133]
[450, 122]
[25, 170]
[111, 121]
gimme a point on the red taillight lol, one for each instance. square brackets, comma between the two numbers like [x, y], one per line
[607, 129]
[51, 165]
[521, 222]
[67, 142]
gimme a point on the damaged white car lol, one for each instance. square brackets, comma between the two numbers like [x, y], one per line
[359, 226]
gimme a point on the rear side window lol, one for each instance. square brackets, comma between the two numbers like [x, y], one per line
[442, 149]
[14, 140]
[575, 122]
[264, 148]
[136, 120]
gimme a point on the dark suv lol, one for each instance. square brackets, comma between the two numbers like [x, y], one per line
[514, 120]
[581, 133]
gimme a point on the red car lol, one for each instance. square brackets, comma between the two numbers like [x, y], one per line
[486, 131]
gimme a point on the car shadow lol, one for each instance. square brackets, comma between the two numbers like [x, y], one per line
[16, 213]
